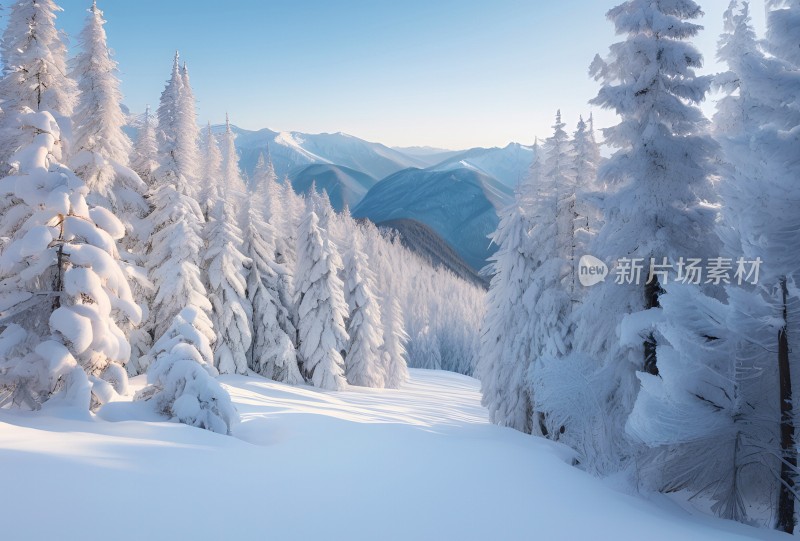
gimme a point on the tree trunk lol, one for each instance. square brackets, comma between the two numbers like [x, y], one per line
[786, 520]
[652, 291]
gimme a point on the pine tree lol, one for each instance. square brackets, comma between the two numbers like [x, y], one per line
[62, 281]
[211, 171]
[505, 338]
[232, 314]
[587, 199]
[100, 147]
[174, 248]
[395, 339]
[321, 306]
[661, 170]
[364, 365]
[231, 175]
[34, 74]
[273, 354]
[181, 379]
[187, 134]
[144, 156]
[721, 411]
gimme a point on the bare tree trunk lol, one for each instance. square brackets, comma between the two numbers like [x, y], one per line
[786, 520]
[652, 291]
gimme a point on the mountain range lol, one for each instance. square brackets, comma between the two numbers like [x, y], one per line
[453, 194]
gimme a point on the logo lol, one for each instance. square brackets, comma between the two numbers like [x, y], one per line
[591, 270]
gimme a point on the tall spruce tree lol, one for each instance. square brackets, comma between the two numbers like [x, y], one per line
[321, 306]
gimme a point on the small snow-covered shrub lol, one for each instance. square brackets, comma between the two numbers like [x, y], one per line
[181, 378]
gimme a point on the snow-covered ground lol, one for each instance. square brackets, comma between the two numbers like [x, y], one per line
[418, 463]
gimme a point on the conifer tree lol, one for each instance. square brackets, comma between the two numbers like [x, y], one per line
[174, 248]
[34, 74]
[211, 172]
[273, 352]
[181, 379]
[364, 363]
[232, 314]
[656, 210]
[730, 433]
[62, 275]
[231, 175]
[395, 339]
[100, 147]
[321, 305]
[144, 155]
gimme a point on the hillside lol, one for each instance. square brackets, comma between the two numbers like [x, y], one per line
[424, 241]
[460, 205]
[343, 185]
[309, 464]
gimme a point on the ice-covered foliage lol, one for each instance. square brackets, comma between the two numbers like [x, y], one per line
[506, 347]
[232, 313]
[177, 133]
[100, 147]
[658, 183]
[273, 353]
[175, 245]
[718, 416]
[441, 313]
[144, 154]
[61, 282]
[231, 178]
[783, 30]
[34, 73]
[364, 363]
[211, 171]
[181, 378]
[395, 339]
[321, 306]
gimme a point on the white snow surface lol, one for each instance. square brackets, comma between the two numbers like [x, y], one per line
[422, 462]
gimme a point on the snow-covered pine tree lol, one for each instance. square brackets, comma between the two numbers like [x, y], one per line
[34, 74]
[505, 352]
[363, 360]
[559, 176]
[100, 156]
[187, 135]
[505, 348]
[658, 184]
[211, 172]
[395, 339]
[173, 256]
[144, 155]
[320, 303]
[181, 378]
[721, 412]
[100, 147]
[273, 354]
[587, 200]
[549, 208]
[660, 173]
[232, 314]
[231, 175]
[61, 282]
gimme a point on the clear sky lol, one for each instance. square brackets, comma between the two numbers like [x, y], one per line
[444, 73]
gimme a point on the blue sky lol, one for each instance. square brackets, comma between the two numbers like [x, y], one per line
[444, 73]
